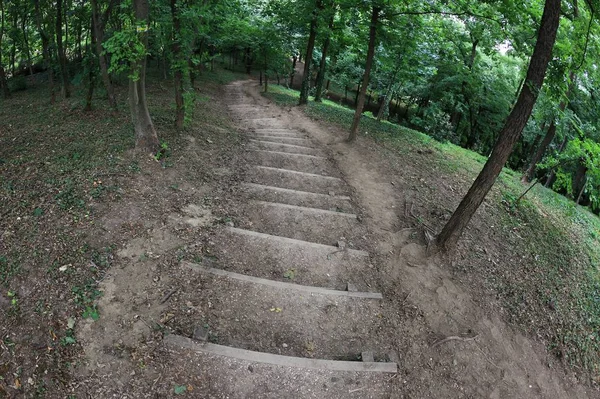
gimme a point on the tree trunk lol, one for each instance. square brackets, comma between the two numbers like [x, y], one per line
[551, 177]
[578, 183]
[146, 139]
[3, 81]
[91, 75]
[26, 43]
[293, 72]
[178, 67]
[323, 64]
[62, 56]
[365, 83]
[309, 53]
[99, 24]
[537, 157]
[45, 49]
[511, 131]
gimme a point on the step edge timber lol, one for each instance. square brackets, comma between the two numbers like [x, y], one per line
[278, 360]
[278, 137]
[309, 289]
[294, 154]
[297, 172]
[284, 144]
[294, 241]
[299, 192]
[307, 209]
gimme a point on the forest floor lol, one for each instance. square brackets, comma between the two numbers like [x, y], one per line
[97, 242]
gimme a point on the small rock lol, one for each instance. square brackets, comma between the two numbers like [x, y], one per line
[200, 333]
[230, 224]
[341, 244]
[251, 369]
[331, 193]
[285, 345]
[351, 287]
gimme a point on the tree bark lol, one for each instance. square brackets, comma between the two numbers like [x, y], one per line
[99, 24]
[91, 74]
[45, 49]
[323, 64]
[511, 131]
[178, 67]
[579, 181]
[146, 139]
[537, 157]
[26, 42]
[62, 56]
[309, 52]
[293, 72]
[365, 82]
[3, 81]
[551, 177]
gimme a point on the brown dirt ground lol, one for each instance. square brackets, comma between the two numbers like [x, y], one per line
[165, 215]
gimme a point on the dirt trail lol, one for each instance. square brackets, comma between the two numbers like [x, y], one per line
[314, 285]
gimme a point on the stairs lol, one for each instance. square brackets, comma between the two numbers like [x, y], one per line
[297, 299]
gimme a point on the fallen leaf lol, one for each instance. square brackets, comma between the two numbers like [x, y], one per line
[276, 310]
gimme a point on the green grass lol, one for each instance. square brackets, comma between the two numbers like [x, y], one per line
[548, 278]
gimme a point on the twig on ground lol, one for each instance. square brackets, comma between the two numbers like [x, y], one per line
[454, 338]
[406, 297]
[169, 295]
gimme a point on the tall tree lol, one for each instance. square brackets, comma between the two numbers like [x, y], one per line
[3, 81]
[309, 52]
[512, 129]
[99, 26]
[179, 65]
[323, 63]
[39, 19]
[146, 139]
[60, 47]
[365, 81]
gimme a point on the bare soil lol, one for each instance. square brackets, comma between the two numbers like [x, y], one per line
[452, 338]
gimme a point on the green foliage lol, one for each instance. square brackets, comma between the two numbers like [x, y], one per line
[126, 49]
[85, 297]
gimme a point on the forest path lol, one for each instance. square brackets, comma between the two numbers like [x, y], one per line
[444, 343]
[301, 316]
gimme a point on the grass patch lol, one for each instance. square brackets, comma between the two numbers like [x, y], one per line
[548, 248]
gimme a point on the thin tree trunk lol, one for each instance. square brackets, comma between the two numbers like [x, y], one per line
[365, 83]
[62, 57]
[537, 157]
[99, 24]
[309, 53]
[293, 72]
[26, 43]
[579, 180]
[3, 81]
[581, 191]
[511, 131]
[91, 75]
[323, 64]
[45, 50]
[551, 177]
[146, 139]
[178, 72]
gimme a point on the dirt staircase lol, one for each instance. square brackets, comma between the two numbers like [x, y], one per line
[294, 309]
